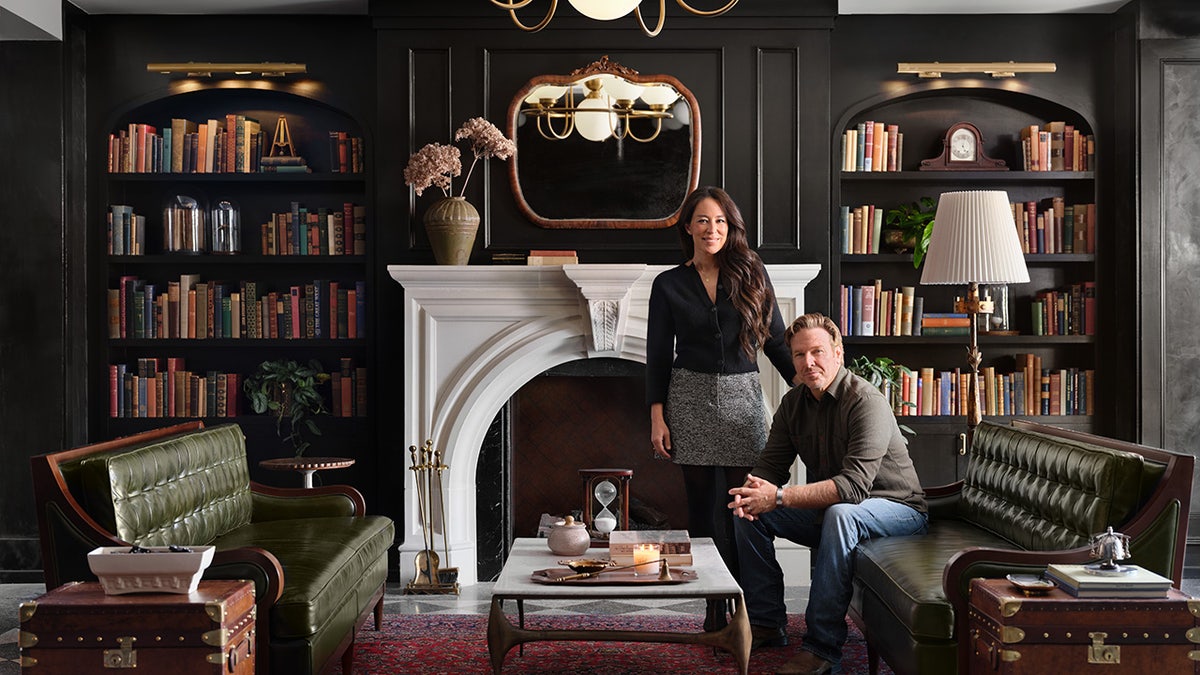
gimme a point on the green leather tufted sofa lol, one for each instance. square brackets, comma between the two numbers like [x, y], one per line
[1032, 494]
[317, 561]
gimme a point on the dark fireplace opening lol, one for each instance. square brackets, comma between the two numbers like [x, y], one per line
[589, 413]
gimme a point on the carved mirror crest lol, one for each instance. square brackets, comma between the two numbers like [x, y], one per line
[604, 147]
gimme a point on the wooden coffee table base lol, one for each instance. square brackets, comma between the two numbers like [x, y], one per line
[502, 636]
[715, 585]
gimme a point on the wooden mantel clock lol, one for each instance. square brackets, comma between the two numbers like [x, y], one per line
[962, 150]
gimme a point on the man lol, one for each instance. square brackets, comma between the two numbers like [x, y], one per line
[861, 484]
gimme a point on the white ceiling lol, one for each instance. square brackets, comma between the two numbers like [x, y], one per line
[360, 6]
[221, 6]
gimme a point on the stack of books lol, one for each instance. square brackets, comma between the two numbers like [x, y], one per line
[945, 323]
[1079, 582]
[283, 164]
[675, 546]
[543, 257]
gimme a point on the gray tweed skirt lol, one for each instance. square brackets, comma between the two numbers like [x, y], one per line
[715, 419]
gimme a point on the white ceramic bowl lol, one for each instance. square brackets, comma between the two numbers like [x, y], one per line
[160, 571]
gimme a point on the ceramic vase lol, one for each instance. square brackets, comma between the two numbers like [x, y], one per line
[451, 225]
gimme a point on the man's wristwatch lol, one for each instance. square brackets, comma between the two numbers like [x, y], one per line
[779, 495]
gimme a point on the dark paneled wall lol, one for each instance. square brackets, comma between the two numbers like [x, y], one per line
[771, 79]
[33, 288]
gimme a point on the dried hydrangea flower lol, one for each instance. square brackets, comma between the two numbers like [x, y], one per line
[436, 164]
[486, 140]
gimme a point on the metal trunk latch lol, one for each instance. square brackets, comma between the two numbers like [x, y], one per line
[125, 657]
[1098, 652]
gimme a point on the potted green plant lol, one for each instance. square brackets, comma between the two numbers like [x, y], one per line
[288, 390]
[887, 376]
[914, 225]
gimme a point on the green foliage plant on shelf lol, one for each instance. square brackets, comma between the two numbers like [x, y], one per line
[915, 223]
[886, 375]
[288, 390]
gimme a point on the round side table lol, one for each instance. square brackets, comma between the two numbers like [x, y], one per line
[306, 466]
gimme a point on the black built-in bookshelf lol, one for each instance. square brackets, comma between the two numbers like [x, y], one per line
[299, 288]
[923, 116]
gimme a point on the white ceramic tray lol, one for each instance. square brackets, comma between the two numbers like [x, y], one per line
[159, 571]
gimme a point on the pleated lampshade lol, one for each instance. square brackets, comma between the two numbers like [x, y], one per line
[974, 240]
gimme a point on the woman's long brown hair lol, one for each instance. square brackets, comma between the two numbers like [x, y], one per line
[741, 266]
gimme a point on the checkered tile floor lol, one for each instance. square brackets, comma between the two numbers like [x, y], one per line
[476, 600]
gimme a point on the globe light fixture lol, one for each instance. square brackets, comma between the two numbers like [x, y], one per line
[605, 10]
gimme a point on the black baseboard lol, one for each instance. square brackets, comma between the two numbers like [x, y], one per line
[1191, 559]
[21, 577]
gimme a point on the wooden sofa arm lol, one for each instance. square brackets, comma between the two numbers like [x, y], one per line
[310, 502]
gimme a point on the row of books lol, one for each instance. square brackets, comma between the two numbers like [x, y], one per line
[348, 389]
[229, 145]
[1026, 390]
[872, 146]
[1055, 227]
[1057, 146]
[319, 231]
[871, 310]
[1049, 227]
[232, 144]
[195, 309]
[164, 387]
[126, 231]
[1065, 311]
[861, 228]
[345, 153]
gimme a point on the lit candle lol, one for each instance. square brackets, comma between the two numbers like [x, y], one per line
[643, 556]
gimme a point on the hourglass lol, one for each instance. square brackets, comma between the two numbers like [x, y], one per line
[606, 499]
[604, 522]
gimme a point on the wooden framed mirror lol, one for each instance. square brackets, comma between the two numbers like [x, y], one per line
[603, 147]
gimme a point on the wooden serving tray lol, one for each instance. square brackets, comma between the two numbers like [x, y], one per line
[614, 578]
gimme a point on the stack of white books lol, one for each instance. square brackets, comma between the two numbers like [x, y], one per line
[1138, 582]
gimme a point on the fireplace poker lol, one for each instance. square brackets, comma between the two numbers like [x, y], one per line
[447, 574]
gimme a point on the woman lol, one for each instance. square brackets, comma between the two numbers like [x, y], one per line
[708, 319]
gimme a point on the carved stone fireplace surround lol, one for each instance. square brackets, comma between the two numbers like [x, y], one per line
[473, 335]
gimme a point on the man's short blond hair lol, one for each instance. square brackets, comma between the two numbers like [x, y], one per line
[815, 320]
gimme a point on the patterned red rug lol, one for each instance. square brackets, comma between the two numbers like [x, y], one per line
[454, 644]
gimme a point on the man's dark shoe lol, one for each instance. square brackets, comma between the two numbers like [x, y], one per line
[805, 663]
[761, 636]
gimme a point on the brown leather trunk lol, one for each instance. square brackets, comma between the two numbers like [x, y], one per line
[79, 630]
[1056, 633]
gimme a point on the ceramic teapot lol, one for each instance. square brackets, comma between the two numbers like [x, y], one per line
[568, 537]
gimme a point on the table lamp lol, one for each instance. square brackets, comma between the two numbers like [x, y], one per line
[974, 242]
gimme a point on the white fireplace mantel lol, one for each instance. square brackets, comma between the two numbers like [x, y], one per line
[473, 335]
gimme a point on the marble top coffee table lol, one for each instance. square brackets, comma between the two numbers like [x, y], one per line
[712, 582]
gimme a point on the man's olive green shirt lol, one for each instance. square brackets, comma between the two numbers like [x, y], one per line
[849, 435]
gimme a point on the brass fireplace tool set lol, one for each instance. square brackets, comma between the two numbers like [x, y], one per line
[430, 577]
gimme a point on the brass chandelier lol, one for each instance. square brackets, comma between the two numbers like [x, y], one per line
[605, 10]
[607, 109]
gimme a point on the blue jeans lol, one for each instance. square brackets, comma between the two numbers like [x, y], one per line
[832, 534]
